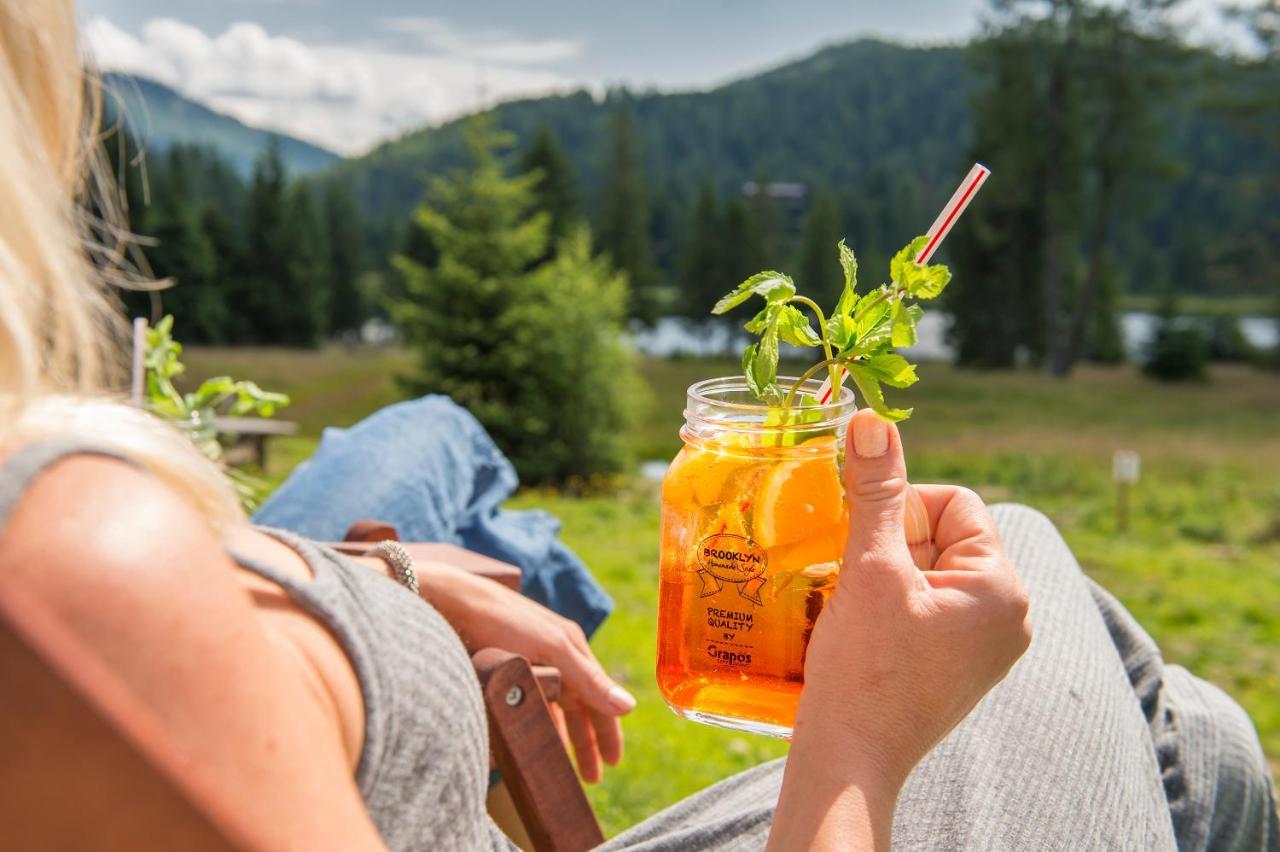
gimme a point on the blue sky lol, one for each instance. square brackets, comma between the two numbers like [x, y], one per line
[347, 75]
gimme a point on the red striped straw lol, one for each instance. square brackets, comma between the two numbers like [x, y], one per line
[938, 231]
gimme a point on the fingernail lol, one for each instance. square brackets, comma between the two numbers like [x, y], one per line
[621, 699]
[870, 435]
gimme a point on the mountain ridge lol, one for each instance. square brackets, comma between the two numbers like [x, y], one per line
[159, 117]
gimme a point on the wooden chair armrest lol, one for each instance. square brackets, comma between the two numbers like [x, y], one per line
[528, 751]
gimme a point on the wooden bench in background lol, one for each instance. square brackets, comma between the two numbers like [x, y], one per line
[251, 434]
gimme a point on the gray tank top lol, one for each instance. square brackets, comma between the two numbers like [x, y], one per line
[423, 773]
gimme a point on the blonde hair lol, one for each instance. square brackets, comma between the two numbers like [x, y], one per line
[62, 246]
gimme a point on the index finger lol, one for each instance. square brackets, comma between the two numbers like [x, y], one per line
[956, 515]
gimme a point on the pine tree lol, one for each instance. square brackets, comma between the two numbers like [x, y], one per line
[1104, 341]
[624, 216]
[183, 253]
[767, 223]
[819, 266]
[343, 232]
[703, 267]
[556, 189]
[284, 298]
[576, 387]
[531, 349]
[309, 281]
[998, 246]
[266, 267]
[480, 226]
[740, 243]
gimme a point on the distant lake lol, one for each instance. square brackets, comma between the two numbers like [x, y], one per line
[678, 336]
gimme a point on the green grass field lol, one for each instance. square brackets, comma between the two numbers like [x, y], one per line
[1200, 566]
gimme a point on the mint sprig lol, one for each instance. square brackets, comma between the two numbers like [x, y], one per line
[858, 336]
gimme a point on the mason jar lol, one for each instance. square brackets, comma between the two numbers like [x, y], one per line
[754, 527]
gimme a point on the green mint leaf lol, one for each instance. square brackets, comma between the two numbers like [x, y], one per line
[920, 281]
[871, 311]
[873, 329]
[869, 386]
[929, 282]
[892, 370]
[793, 327]
[759, 322]
[772, 286]
[773, 396]
[765, 365]
[905, 260]
[749, 368]
[849, 265]
[904, 318]
[841, 332]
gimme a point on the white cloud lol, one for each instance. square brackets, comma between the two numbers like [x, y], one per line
[347, 97]
[486, 45]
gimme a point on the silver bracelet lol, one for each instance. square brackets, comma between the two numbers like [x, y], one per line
[394, 554]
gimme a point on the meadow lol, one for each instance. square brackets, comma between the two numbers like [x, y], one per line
[1199, 565]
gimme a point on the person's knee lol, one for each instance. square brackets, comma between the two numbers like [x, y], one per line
[1228, 800]
[440, 412]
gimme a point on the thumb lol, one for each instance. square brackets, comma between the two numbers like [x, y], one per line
[876, 484]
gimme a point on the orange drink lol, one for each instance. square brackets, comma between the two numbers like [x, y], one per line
[754, 524]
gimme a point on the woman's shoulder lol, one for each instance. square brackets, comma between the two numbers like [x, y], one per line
[141, 578]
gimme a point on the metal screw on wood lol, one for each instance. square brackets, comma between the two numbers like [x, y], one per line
[514, 696]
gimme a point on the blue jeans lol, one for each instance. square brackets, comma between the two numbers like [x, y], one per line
[428, 467]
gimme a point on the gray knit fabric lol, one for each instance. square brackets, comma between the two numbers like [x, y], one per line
[1091, 742]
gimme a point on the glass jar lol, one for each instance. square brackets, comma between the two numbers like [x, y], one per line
[754, 526]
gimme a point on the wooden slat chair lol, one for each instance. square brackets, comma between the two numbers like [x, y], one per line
[85, 765]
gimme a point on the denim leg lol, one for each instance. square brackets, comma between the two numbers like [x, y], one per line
[428, 467]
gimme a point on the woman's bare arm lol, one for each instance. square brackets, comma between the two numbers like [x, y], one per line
[142, 579]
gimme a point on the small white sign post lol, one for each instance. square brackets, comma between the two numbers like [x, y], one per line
[1126, 467]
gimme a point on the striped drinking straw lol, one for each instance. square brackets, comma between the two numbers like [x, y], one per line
[938, 231]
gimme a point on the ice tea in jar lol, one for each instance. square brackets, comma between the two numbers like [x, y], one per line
[754, 524]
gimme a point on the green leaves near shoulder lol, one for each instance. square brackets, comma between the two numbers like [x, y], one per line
[921, 281]
[771, 286]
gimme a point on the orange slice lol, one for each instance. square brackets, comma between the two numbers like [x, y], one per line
[698, 477]
[824, 546]
[798, 499]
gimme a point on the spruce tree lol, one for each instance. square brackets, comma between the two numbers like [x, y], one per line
[183, 254]
[285, 300]
[624, 216]
[556, 190]
[267, 271]
[531, 348]
[743, 256]
[342, 228]
[702, 267]
[309, 282]
[819, 266]
[484, 238]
